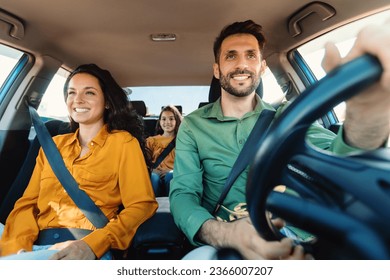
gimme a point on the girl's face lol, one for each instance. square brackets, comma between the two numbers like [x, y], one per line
[168, 122]
[85, 101]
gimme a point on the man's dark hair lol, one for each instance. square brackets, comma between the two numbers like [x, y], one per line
[245, 27]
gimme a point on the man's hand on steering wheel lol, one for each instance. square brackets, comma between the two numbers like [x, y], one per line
[367, 122]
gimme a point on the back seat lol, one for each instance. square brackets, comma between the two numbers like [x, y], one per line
[150, 125]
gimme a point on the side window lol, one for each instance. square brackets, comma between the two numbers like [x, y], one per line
[53, 105]
[9, 57]
[344, 38]
[272, 91]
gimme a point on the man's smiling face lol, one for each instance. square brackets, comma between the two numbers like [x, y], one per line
[240, 65]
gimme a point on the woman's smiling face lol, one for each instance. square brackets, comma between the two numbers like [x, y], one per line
[85, 101]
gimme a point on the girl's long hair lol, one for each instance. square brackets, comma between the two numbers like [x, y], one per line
[176, 113]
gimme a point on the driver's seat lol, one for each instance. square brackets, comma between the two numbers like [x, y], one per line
[215, 90]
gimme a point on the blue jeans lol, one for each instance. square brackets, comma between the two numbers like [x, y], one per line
[167, 181]
[205, 252]
[156, 184]
[161, 186]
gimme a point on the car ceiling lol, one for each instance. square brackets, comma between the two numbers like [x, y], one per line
[117, 34]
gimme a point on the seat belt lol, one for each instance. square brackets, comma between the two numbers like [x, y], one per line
[79, 197]
[164, 153]
[21, 180]
[247, 153]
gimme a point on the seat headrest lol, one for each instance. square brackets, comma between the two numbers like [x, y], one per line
[215, 89]
[139, 106]
[201, 104]
[180, 109]
[56, 127]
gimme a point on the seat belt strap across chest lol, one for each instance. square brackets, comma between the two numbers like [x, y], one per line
[247, 153]
[79, 197]
[164, 153]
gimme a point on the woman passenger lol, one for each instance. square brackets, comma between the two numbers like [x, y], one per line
[105, 152]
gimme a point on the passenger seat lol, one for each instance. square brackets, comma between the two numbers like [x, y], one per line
[55, 127]
[139, 106]
[149, 122]
[215, 91]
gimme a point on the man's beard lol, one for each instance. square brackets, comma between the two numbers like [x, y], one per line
[225, 84]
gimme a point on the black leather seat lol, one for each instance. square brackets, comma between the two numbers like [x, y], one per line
[149, 122]
[139, 106]
[201, 104]
[159, 238]
[178, 107]
[55, 127]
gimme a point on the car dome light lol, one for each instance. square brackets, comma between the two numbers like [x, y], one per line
[158, 37]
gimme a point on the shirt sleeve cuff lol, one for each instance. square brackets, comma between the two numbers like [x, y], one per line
[196, 220]
[13, 246]
[98, 241]
[339, 146]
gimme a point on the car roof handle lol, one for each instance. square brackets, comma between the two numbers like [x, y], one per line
[323, 10]
[17, 27]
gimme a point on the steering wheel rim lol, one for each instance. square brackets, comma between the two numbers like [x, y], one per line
[285, 144]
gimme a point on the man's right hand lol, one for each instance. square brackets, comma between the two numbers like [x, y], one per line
[242, 236]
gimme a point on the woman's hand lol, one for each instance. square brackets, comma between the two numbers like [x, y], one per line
[72, 250]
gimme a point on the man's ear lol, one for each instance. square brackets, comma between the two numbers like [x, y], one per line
[216, 70]
[263, 67]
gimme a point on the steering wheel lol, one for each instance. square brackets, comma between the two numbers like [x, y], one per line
[344, 201]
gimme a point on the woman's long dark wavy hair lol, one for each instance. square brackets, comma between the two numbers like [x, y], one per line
[119, 115]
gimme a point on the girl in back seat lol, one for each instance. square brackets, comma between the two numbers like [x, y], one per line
[162, 147]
